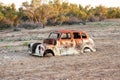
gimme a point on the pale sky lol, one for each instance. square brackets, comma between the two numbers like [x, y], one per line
[107, 3]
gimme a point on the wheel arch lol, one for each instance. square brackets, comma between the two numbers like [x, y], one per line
[48, 51]
[88, 47]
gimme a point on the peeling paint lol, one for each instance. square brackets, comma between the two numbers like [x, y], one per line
[65, 42]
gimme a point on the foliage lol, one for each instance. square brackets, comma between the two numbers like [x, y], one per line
[113, 12]
[52, 13]
[25, 43]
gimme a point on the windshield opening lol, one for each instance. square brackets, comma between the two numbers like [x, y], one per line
[54, 35]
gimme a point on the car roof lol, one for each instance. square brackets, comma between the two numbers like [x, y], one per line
[69, 31]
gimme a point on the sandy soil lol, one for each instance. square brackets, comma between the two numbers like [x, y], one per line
[104, 64]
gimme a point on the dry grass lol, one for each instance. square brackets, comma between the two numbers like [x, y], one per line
[17, 64]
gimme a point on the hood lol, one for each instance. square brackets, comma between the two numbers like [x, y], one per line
[50, 41]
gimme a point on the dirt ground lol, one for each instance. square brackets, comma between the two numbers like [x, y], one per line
[104, 64]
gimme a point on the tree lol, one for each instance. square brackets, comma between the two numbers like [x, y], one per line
[113, 12]
[36, 12]
[101, 12]
[9, 14]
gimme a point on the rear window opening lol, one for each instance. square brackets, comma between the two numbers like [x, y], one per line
[84, 36]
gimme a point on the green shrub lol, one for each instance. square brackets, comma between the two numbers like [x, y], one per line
[25, 44]
[1, 40]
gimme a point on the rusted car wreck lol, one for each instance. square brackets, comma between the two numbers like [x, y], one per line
[63, 42]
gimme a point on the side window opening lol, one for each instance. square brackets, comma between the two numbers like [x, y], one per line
[66, 36]
[76, 35]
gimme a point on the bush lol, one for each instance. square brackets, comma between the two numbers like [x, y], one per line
[94, 19]
[30, 25]
[5, 24]
[74, 20]
[25, 44]
[1, 40]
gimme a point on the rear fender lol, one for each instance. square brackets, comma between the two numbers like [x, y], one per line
[88, 47]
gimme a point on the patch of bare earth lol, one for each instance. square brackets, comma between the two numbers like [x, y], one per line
[17, 64]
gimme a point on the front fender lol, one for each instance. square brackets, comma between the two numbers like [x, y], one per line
[40, 50]
[36, 49]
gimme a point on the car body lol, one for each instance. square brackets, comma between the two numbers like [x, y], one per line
[64, 42]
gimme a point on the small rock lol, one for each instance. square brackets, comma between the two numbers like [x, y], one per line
[6, 57]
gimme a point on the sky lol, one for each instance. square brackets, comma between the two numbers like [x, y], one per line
[107, 3]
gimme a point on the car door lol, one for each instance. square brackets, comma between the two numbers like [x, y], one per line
[66, 43]
[78, 39]
[66, 40]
